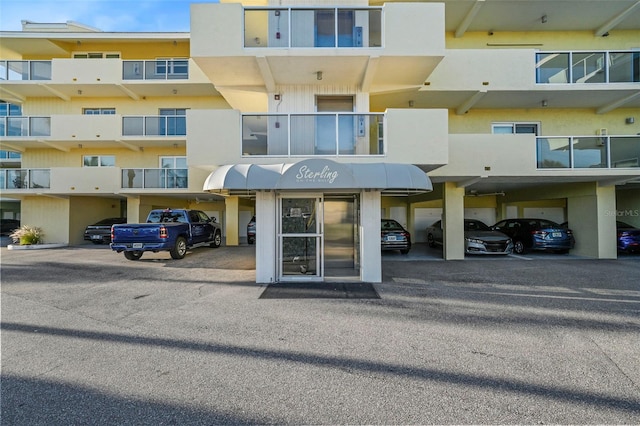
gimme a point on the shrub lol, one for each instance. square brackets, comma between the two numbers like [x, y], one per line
[27, 234]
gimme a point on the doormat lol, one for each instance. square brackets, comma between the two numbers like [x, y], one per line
[323, 290]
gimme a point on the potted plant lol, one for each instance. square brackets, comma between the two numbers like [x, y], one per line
[27, 235]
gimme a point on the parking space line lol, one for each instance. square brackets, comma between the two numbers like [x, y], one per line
[517, 256]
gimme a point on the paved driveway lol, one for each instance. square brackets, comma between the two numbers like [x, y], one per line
[91, 338]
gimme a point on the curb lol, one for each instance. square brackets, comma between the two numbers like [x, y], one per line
[35, 246]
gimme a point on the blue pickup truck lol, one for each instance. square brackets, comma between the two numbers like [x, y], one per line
[172, 230]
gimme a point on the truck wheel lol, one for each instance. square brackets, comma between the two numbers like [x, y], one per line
[133, 255]
[180, 249]
[217, 240]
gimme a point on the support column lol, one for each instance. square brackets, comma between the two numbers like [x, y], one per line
[592, 217]
[371, 257]
[453, 221]
[266, 253]
[133, 210]
[232, 212]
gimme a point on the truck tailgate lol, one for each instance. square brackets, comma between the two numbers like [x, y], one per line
[136, 233]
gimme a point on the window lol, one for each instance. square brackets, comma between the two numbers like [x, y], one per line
[174, 121]
[99, 160]
[168, 66]
[7, 109]
[518, 128]
[176, 175]
[98, 111]
[96, 55]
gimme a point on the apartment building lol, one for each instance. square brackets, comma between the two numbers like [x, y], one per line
[321, 118]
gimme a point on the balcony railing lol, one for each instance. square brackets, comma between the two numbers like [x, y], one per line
[25, 126]
[588, 67]
[25, 178]
[155, 178]
[176, 69]
[322, 134]
[160, 125]
[25, 70]
[586, 152]
[317, 27]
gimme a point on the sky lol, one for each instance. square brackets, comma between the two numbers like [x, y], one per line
[105, 15]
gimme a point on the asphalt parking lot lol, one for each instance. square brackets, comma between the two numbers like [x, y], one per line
[91, 338]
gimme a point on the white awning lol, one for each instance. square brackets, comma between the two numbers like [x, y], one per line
[318, 174]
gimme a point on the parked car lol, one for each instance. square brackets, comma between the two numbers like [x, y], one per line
[628, 237]
[172, 230]
[478, 238]
[7, 226]
[536, 234]
[251, 230]
[394, 237]
[100, 232]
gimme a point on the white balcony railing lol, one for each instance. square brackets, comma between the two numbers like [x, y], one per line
[25, 126]
[321, 134]
[162, 69]
[156, 125]
[580, 152]
[25, 178]
[313, 27]
[588, 67]
[175, 69]
[155, 178]
[25, 70]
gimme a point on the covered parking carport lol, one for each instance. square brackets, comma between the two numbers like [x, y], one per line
[590, 204]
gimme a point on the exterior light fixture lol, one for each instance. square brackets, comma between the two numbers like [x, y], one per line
[410, 104]
[79, 92]
[175, 91]
[543, 19]
[630, 120]
[545, 103]
[319, 75]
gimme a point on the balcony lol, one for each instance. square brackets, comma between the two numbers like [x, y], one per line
[18, 179]
[69, 130]
[394, 47]
[112, 77]
[412, 136]
[161, 125]
[25, 70]
[155, 178]
[587, 67]
[325, 27]
[97, 180]
[326, 134]
[588, 152]
[18, 126]
[177, 69]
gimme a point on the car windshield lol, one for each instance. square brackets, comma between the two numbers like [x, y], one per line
[475, 225]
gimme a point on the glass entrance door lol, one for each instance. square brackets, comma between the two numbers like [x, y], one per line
[300, 238]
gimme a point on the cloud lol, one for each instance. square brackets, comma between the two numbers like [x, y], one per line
[106, 15]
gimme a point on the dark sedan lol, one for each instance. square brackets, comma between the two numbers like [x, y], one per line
[394, 237]
[628, 237]
[251, 230]
[100, 232]
[478, 238]
[536, 234]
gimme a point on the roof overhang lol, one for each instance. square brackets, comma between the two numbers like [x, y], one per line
[318, 174]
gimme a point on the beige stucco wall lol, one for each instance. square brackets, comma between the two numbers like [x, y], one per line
[553, 121]
[50, 214]
[545, 40]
